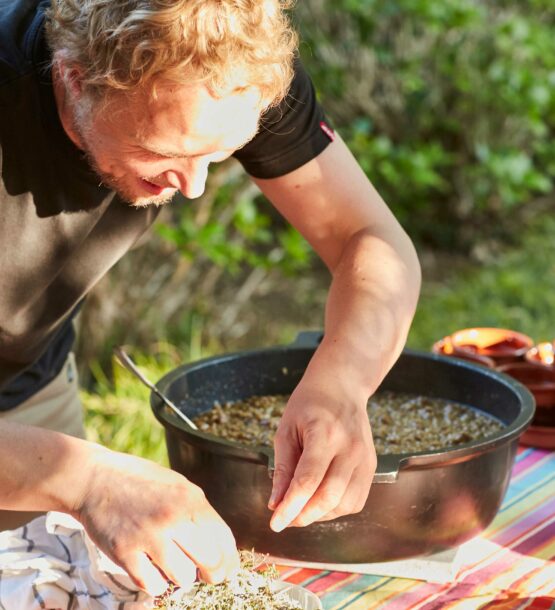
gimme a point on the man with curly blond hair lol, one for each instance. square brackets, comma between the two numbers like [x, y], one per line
[107, 109]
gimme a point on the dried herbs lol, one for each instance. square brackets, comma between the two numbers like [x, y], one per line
[401, 423]
[253, 589]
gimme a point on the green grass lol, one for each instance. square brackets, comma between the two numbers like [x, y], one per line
[516, 290]
[118, 414]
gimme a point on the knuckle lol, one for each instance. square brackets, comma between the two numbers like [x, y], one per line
[331, 515]
[359, 449]
[315, 428]
[281, 470]
[307, 482]
[339, 512]
[117, 548]
[329, 499]
[163, 513]
[281, 435]
[196, 494]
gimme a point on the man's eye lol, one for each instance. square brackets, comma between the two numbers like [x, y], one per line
[149, 154]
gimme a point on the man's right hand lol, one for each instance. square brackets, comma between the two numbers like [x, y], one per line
[153, 522]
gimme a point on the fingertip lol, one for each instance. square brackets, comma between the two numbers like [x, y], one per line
[154, 586]
[224, 571]
[233, 566]
[157, 587]
[278, 523]
[215, 577]
[155, 590]
[148, 578]
[233, 572]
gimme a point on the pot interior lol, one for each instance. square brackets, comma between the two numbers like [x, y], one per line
[195, 388]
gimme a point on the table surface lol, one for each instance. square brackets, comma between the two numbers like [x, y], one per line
[517, 569]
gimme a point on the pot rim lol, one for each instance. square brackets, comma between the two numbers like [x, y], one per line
[388, 464]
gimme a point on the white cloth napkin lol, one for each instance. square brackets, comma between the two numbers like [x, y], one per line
[51, 564]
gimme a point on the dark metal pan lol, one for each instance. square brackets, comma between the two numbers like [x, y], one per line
[418, 504]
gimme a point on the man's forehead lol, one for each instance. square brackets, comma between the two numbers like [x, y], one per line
[193, 116]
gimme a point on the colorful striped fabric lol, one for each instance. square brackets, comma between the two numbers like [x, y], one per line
[517, 570]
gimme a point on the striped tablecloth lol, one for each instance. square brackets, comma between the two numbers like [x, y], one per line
[517, 569]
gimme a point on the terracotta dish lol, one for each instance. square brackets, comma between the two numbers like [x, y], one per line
[540, 380]
[542, 354]
[445, 348]
[500, 344]
[542, 437]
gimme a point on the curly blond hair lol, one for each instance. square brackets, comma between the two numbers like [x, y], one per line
[128, 45]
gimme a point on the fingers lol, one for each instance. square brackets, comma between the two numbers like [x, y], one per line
[144, 574]
[352, 502]
[286, 457]
[176, 566]
[207, 546]
[311, 469]
[325, 486]
[330, 494]
[209, 543]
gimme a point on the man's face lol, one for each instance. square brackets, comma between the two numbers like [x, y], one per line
[149, 149]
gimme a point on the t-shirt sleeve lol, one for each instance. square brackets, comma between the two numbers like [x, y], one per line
[290, 134]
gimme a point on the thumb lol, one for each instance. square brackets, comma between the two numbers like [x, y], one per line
[287, 454]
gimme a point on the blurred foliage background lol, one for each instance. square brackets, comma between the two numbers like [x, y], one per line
[450, 109]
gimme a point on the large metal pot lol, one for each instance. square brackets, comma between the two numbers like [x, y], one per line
[418, 504]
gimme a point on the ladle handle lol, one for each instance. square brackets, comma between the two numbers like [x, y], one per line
[125, 360]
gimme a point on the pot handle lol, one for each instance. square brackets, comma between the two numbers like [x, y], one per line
[308, 338]
[270, 464]
[387, 470]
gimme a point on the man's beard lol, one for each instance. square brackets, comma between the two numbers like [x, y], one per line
[109, 180]
[122, 190]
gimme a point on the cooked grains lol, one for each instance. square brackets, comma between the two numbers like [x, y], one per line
[401, 423]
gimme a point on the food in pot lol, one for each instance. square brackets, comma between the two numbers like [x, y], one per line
[252, 589]
[401, 423]
[406, 423]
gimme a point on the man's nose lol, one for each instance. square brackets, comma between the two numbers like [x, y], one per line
[189, 179]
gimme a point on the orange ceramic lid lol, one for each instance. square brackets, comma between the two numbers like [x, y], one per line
[492, 342]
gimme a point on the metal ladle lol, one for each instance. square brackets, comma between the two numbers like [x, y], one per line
[125, 360]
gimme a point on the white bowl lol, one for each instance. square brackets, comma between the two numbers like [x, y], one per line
[307, 599]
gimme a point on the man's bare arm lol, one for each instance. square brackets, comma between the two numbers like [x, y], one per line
[324, 452]
[150, 520]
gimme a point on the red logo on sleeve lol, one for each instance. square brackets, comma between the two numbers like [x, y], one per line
[327, 130]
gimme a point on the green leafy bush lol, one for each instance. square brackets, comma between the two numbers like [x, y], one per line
[514, 290]
[234, 229]
[449, 106]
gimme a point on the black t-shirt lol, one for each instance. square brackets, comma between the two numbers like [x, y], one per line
[60, 232]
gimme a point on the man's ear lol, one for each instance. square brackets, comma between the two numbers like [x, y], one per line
[70, 73]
